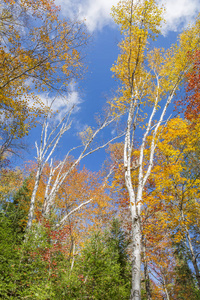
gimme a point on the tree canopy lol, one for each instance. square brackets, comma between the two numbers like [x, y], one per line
[131, 229]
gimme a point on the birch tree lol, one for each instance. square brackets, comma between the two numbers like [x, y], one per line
[49, 140]
[39, 51]
[149, 81]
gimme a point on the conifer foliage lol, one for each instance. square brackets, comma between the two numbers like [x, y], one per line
[131, 230]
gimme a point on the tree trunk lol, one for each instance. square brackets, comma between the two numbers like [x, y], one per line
[136, 260]
[146, 274]
[165, 286]
[193, 257]
[33, 197]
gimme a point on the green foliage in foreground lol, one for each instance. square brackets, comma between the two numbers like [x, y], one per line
[103, 269]
[33, 269]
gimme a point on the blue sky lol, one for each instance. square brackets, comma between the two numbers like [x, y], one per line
[90, 94]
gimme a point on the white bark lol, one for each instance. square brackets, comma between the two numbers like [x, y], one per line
[48, 144]
[192, 253]
[165, 286]
[159, 93]
[64, 219]
[73, 257]
[136, 197]
[62, 175]
[188, 237]
[33, 196]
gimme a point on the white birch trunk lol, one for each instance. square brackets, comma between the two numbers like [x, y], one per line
[51, 192]
[33, 196]
[134, 207]
[136, 197]
[136, 260]
[193, 257]
[165, 286]
[48, 144]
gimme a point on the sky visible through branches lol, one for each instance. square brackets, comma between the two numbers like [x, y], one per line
[90, 95]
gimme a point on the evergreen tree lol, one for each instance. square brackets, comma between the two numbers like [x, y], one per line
[103, 269]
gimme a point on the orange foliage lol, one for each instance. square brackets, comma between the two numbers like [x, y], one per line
[38, 52]
[169, 187]
[191, 103]
[78, 187]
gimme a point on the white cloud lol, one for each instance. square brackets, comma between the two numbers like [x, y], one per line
[179, 13]
[61, 104]
[97, 12]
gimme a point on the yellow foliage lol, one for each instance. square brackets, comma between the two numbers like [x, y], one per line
[148, 75]
[86, 135]
[45, 58]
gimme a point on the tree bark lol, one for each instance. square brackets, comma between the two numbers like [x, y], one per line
[193, 257]
[33, 197]
[136, 260]
[146, 274]
[165, 287]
